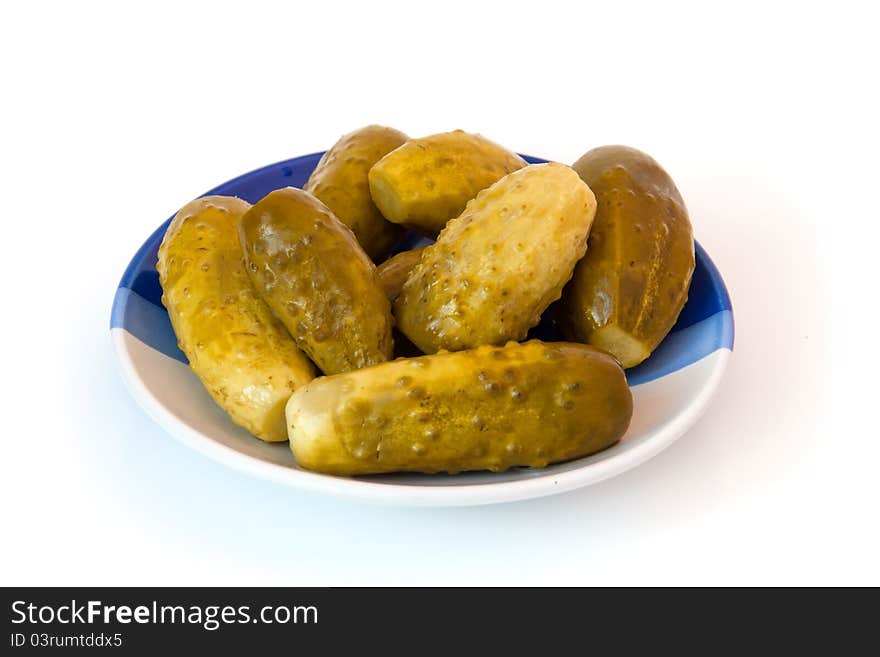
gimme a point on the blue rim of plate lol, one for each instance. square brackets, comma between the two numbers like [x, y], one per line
[704, 326]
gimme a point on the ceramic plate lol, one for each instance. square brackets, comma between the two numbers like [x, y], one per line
[670, 390]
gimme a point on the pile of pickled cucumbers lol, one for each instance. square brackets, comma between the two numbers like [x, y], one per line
[301, 327]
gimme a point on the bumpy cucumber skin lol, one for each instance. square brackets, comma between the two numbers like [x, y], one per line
[491, 408]
[394, 271]
[340, 182]
[308, 266]
[241, 353]
[495, 268]
[627, 292]
[426, 182]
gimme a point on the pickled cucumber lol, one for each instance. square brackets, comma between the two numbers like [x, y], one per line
[340, 182]
[497, 267]
[428, 181]
[394, 271]
[310, 269]
[241, 353]
[490, 408]
[629, 289]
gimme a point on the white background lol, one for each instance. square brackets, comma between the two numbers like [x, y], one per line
[113, 117]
